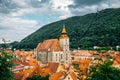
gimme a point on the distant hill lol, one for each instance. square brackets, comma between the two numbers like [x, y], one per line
[95, 29]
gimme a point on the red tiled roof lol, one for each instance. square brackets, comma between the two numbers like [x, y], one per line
[18, 76]
[49, 45]
[38, 46]
[53, 67]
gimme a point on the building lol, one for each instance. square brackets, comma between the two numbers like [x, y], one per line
[82, 54]
[54, 50]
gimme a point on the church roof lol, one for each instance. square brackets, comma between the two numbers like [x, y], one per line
[49, 45]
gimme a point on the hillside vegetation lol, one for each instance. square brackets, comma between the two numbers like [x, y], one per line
[95, 29]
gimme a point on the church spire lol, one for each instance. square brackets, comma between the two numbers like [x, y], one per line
[64, 30]
[64, 33]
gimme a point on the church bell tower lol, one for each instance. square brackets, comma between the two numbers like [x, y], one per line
[64, 40]
[64, 44]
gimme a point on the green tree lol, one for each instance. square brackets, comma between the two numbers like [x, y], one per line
[35, 77]
[104, 72]
[5, 66]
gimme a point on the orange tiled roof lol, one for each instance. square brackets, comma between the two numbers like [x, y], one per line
[53, 67]
[117, 58]
[83, 64]
[81, 53]
[49, 45]
[25, 73]
[38, 46]
[18, 76]
[24, 63]
[115, 62]
[57, 76]
[72, 74]
[45, 72]
[33, 62]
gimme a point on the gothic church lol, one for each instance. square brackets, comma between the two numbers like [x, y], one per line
[54, 50]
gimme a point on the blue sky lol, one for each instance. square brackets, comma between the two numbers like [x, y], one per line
[19, 18]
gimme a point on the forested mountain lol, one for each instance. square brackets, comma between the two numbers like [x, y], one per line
[95, 29]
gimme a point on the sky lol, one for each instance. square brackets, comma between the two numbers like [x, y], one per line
[20, 18]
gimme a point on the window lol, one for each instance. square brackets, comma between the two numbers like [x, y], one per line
[66, 57]
[61, 56]
[68, 78]
[56, 57]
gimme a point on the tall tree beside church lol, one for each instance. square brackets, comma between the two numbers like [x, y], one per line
[5, 66]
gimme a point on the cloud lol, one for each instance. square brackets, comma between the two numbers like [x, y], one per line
[115, 3]
[15, 28]
[81, 7]
[17, 23]
[23, 11]
[81, 3]
[61, 6]
[7, 6]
